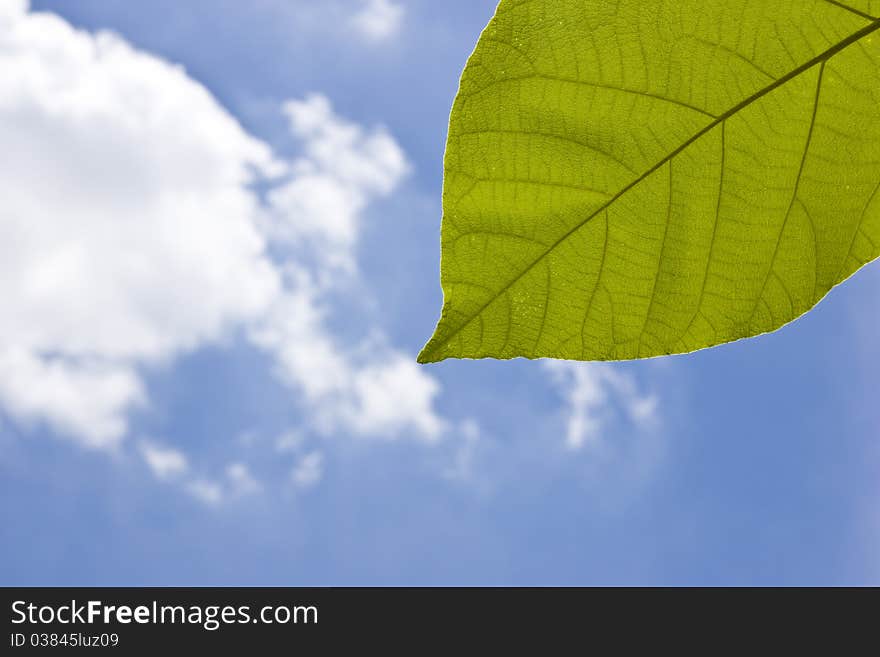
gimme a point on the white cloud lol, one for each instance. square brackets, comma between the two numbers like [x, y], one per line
[372, 390]
[290, 441]
[392, 392]
[129, 236]
[342, 169]
[378, 20]
[12, 9]
[165, 462]
[85, 395]
[309, 470]
[207, 492]
[241, 481]
[464, 456]
[594, 392]
[168, 463]
[368, 389]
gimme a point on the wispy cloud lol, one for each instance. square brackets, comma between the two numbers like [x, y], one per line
[164, 462]
[240, 480]
[172, 465]
[378, 20]
[464, 453]
[342, 169]
[595, 393]
[368, 388]
[206, 491]
[309, 470]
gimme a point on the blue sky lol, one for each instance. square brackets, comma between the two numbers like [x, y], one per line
[222, 390]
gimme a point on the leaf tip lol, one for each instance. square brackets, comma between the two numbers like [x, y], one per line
[427, 355]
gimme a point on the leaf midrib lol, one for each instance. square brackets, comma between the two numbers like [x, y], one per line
[429, 350]
[852, 10]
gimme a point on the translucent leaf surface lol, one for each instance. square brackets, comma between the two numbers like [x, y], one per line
[632, 178]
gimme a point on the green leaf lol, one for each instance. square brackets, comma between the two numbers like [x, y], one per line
[631, 178]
